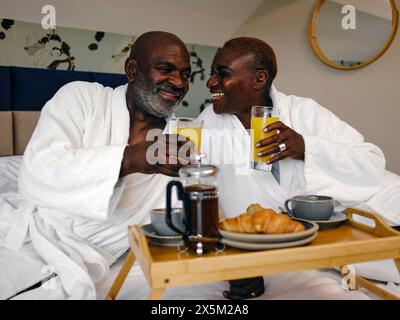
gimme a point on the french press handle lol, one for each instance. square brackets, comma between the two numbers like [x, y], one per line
[183, 197]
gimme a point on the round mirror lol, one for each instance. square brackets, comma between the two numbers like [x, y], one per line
[350, 34]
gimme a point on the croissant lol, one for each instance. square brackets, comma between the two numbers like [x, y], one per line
[242, 225]
[257, 220]
[253, 208]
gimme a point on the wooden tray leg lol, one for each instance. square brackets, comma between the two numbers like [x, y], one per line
[397, 262]
[354, 282]
[156, 294]
[376, 289]
[348, 276]
[123, 273]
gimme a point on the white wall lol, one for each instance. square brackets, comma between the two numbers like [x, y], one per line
[206, 22]
[368, 98]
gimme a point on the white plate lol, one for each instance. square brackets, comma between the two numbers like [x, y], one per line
[265, 246]
[311, 228]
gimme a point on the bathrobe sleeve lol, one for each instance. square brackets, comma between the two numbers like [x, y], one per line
[69, 163]
[338, 162]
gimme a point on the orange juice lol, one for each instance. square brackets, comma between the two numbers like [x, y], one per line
[257, 125]
[194, 134]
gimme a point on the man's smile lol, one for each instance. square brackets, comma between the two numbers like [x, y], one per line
[170, 96]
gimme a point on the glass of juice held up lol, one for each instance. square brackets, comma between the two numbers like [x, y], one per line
[190, 128]
[261, 116]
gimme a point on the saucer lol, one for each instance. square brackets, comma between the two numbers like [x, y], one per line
[336, 219]
[158, 240]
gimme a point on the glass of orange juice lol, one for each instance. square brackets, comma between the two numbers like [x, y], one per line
[261, 116]
[190, 128]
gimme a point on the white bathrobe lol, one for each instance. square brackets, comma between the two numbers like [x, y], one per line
[72, 204]
[338, 162]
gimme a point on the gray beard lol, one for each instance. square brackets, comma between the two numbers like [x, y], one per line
[146, 98]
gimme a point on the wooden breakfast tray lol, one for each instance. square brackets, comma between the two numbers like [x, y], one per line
[349, 243]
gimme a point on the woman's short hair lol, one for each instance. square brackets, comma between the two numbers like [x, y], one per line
[264, 56]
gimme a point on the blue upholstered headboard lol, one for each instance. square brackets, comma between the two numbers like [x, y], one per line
[30, 88]
[23, 93]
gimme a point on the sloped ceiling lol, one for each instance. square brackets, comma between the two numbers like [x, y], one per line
[207, 22]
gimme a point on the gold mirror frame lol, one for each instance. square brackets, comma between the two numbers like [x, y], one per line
[318, 52]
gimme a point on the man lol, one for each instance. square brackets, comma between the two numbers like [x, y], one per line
[85, 173]
[314, 152]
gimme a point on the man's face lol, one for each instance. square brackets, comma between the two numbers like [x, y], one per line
[162, 79]
[232, 82]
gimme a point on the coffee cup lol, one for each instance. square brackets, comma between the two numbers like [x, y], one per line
[157, 218]
[310, 207]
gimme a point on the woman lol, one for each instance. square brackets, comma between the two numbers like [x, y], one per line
[315, 151]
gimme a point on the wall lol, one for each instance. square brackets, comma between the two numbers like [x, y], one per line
[206, 22]
[25, 44]
[368, 98]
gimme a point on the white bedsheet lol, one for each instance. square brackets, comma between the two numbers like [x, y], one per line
[304, 285]
[311, 284]
[324, 284]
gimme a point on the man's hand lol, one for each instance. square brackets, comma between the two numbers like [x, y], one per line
[293, 141]
[166, 155]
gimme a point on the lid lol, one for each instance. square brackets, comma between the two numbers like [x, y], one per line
[198, 171]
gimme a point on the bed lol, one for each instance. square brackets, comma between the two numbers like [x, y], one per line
[24, 270]
[24, 275]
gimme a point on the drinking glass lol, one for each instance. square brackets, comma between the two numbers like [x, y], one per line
[190, 128]
[261, 116]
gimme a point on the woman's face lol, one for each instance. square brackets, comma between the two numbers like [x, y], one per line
[232, 82]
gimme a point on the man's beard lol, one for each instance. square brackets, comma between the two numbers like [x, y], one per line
[146, 97]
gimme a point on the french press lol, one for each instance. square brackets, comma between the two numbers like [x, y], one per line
[198, 191]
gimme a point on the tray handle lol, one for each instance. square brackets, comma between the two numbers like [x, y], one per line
[380, 229]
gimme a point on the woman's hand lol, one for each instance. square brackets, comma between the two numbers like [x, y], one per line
[291, 143]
